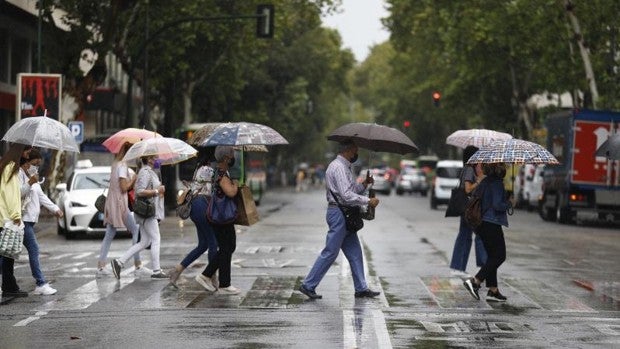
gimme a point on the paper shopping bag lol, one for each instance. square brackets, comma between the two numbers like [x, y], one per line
[246, 208]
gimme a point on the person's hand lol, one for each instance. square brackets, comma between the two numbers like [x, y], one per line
[17, 222]
[161, 190]
[373, 202]
[33, 179]
[59, 214]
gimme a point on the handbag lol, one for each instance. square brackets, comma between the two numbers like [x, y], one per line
[185, 207]
[473, 209]
[144, 208]
[246, 207]
[11, 240]
[100, 202]
[352, 216]
[458, 199]
[221, 210]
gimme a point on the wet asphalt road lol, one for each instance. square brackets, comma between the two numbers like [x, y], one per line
[563, 285]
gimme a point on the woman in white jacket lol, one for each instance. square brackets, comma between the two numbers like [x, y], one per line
[31, 208]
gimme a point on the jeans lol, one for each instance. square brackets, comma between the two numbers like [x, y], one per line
[206, 235]
[337, 239]
[462, 246]
[492, 236]
[110, 233]
[227, 242]
[149, 230]
[31, 244]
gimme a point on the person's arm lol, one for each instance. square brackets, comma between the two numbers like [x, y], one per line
[142, 183]
[498, 198]
[228, 187]
[345, 189]
[44, 200]
[12, 197]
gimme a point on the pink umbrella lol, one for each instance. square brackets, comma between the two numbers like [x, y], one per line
[128, 135]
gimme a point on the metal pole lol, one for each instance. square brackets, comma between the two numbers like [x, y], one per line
[39, 25]
[145, 85]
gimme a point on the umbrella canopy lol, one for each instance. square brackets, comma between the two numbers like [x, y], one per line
[244, 133]
[513, 151]
[610, 148]
[476, 137]
[128, 135]
[42, 132]
[200, 136]
[168, 150]
[374, 137]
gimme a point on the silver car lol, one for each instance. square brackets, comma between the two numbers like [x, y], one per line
[411, 180]
[382, 179]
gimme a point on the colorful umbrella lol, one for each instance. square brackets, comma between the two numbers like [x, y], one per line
[43, 132]
[128, 135]
[168, 150]
[475, 137]
[513, 151]
[374, 137]
[610, 148]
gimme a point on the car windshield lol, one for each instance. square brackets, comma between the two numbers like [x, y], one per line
[448, 172]
[91, 181]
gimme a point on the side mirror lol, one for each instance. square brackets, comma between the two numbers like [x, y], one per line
[61, 186]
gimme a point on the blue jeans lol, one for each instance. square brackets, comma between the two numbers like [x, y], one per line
[337, 239]
[462, 246]
[31, 244]
[206, 235]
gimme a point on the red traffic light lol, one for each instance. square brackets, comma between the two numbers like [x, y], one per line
[407, 123]
[436, 98]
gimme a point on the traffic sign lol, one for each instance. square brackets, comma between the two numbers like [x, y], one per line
[77, 130]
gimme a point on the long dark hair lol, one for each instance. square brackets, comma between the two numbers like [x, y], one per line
[13, 155]
[468, 152]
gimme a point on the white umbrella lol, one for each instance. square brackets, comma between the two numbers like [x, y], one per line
[42, 132]
[476, 137]
[168, 150]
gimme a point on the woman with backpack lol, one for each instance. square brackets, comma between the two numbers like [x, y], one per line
[494, 207]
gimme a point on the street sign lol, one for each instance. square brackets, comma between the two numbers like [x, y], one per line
[77, 130]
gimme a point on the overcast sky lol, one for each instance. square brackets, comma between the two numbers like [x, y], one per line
[359, 24]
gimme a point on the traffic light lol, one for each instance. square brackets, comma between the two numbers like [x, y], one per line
[406, 123]
[436, 98]
[264, 21]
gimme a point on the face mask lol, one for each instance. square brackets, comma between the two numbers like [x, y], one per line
[157, 164]
[354, 158]
[231, 162]
[33, 170]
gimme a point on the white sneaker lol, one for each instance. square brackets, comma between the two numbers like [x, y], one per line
[103, 272]
[205, 282]
[142, 271]
[459, 273]
[215, 280]
[45, 290]
[229, 290]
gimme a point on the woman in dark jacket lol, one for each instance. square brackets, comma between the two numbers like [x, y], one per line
[494, 205]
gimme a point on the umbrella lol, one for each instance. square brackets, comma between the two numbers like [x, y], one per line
[374, 137]
[243, 133]
[43, 132]
[514, 151]
[475, 137]
[610, 148]
[128, 135]
[200, 136]
[168, 150]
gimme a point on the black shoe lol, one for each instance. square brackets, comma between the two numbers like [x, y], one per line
[310, 294]
[472, 287]
[367, 293]
[495, 297]
[16, 293]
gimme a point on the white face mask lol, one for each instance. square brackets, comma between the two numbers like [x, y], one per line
[33, 170]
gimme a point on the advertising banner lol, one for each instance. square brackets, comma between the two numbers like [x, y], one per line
[38, 93]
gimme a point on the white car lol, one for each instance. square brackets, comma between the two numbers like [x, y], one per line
[532, 185]
[76, 199]
[446, 178]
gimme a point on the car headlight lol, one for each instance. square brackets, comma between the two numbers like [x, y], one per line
[76, 204]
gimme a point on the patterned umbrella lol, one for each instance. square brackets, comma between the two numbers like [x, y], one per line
[244, 133]
[200, 136]
[610, 148]
[475, 137]
[43, 132]
[374, 137]
[168, 150]
[513, 151]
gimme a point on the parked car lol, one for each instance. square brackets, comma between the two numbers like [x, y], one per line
[446, 178]
[76, 199]
[381, 176]
[411, 180]
[533, 185]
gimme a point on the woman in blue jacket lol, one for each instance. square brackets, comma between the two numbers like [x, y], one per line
[495, 205]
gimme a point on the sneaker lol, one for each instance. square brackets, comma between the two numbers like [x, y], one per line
[116, 268]
[16, 293]
[205, 282]
[142, 271]
[229, 290]
[102, 272]
[215, 280]
[309, 293]
[44, 290]
[159, 275]
[367, 293]
[495, 297]
[459, 273]
[472, 287]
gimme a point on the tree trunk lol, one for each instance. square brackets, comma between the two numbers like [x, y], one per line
[187, 102]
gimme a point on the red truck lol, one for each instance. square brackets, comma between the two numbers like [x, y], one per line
[583, 186]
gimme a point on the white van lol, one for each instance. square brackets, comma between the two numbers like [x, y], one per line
[532, 185]
[446, 178]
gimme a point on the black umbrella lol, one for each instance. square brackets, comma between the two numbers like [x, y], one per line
[374, 137]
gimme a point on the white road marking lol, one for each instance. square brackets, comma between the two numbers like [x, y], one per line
[30, 319]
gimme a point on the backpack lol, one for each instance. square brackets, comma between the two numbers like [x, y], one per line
[473, 208]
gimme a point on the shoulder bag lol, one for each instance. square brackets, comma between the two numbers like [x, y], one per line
[143, 207]
[100, 202]
[221, 210]
[458, 199]
[473, 208]
[11, 240]
[184, 201]
[352, 216]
